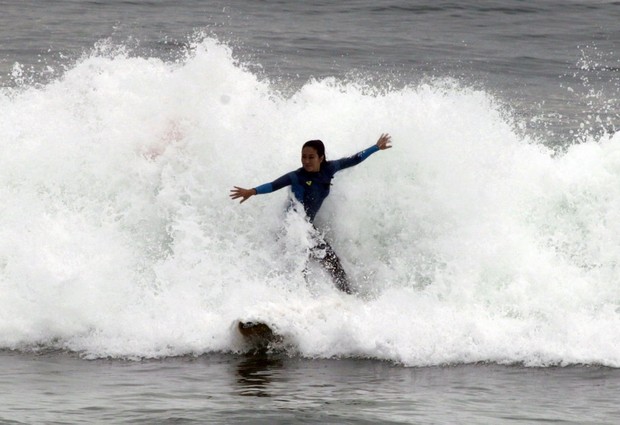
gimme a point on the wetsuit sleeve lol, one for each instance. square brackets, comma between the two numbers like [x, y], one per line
[277, 184]
[341, 164]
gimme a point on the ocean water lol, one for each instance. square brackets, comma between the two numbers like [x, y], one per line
[483, 247]
[237, 389]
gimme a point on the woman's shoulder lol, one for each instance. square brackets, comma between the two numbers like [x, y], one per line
[329, 165]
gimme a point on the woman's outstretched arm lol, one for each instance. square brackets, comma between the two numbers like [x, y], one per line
[277, 184]
[383, 143]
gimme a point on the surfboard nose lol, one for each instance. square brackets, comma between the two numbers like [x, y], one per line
[255, 330]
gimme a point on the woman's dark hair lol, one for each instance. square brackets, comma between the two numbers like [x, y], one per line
[318, 146]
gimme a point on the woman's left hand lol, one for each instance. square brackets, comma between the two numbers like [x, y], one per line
[384, 141]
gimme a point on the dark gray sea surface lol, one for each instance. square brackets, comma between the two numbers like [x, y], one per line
[473, 244]
[61, 388]
[555, 64]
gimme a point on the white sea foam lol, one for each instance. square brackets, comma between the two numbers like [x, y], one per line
[466, 242]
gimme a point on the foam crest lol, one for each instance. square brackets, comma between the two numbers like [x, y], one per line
[466, 242]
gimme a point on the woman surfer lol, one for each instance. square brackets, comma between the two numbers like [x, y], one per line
[310, 184]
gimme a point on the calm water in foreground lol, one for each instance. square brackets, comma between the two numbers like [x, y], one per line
[61, 388]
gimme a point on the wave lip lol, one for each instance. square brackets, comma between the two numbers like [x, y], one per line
[467, 242]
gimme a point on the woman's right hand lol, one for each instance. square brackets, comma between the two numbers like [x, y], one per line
[239, 192]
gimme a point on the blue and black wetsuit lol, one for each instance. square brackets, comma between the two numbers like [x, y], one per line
[311, 189]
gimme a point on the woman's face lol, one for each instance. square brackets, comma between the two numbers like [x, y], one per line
[310, 159]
